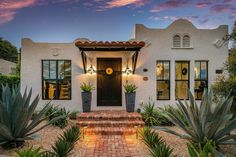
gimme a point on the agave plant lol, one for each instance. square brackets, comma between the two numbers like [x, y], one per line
[150, 114]
[87, 87]
[207, 121]
[65, 143]
[209, 149]
[72, 135]
[56, 111]
[157, 146]
[130, 88]
[16, 122]
[29, 152]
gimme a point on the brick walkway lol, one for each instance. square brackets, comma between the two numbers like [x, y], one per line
[112, 146]
[111, 134]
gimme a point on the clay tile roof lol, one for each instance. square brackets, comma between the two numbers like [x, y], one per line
[110, 44]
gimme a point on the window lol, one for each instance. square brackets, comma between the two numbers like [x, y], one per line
[201, 78]
[176, 41]
[181, 79]
[56, 79]
[186, 41]
[163, 80]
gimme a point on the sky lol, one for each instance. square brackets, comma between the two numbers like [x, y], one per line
[67, 20]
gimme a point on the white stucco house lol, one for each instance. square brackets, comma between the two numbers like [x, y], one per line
[163, 63]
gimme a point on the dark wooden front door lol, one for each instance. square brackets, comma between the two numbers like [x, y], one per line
[109, 82]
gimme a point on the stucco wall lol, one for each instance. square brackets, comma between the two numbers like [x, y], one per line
[31, 70]
[158, 47]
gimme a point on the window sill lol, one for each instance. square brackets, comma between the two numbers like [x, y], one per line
[187, 48]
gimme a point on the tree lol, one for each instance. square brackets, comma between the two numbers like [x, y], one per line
[227, 83]
[8, 51]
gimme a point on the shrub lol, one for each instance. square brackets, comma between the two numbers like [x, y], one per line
[73, 115]
[10, 80]
[226, 83]
[86, 87]
[130, 88]
[209, 149]
[65, 143]
[153, 116]
[156, 145]
[223, 86]
[30, 152]
[62, 147]
[150, 114]
[55, 111]
[16, 113]
[207, 121]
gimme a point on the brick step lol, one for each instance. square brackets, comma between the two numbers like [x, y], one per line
[111, 123]
[98, 116]
[111, 130]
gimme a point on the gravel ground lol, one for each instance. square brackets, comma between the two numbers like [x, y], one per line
[49, 135]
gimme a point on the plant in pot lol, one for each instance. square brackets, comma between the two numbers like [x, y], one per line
[130, 96]
[86, 96]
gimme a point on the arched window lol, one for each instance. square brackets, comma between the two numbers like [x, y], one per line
[177, 41]
[186, 41]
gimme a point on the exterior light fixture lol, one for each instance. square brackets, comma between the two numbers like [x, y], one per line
[127, 71]
[91, 70]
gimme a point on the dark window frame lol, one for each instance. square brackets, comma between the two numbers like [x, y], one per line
[206, 80]
[162, 61]
[176, 80]
[57, 80]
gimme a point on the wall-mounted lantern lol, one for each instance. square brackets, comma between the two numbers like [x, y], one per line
[91, 70]
[128, 71]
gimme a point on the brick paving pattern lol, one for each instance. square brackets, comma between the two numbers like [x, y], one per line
[110, 133]
[111, 146]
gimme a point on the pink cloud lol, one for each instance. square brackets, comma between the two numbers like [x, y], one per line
[121, 3]
[203, 4]
[8, 8]
[6, 16]
[170, 4]
[16, 4]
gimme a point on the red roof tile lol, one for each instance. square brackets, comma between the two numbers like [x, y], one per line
[110, 43]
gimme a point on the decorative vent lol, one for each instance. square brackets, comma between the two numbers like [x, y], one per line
[186, 41]
[176, 41]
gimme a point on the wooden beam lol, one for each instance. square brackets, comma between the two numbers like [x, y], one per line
[134, 60]
[84, 59]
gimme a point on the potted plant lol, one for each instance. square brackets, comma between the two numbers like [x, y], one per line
[130, 96]
[86, 96]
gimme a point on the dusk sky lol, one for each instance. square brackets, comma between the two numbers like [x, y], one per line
[66, 20]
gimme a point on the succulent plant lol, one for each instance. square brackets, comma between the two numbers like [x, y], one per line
[87, 87]
[16, 122]
[156, 145]
[130, 88]
[65, 144]
[29, 152]
[207, 121]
